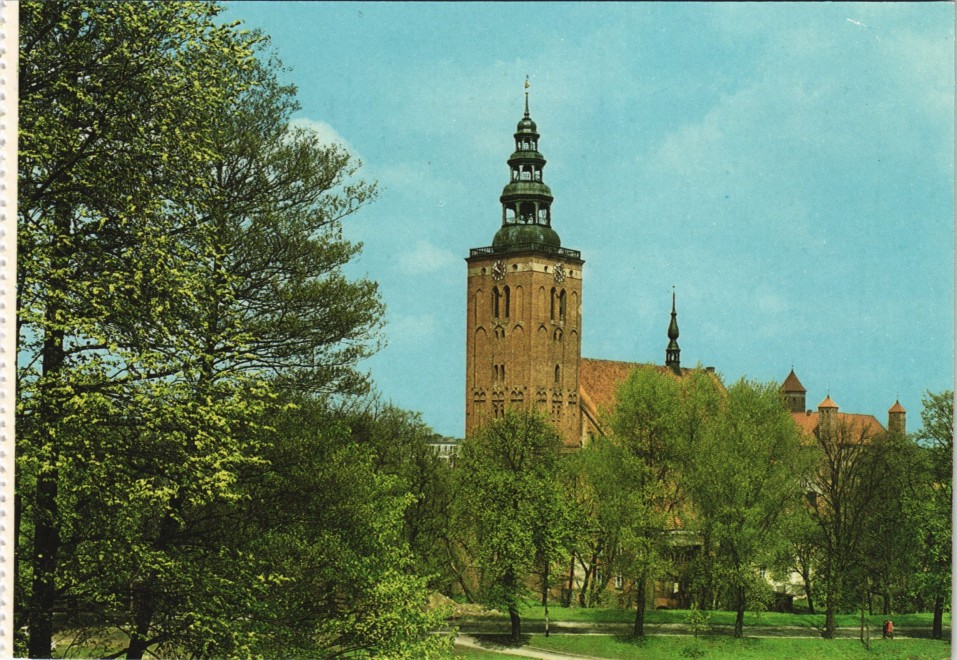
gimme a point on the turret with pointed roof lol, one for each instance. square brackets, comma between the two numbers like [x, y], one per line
[794, 393]
[897, 418]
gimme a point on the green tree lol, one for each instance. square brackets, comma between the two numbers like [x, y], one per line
[748, 470]
[180, 263]
[115, 101]
[510, 500]
[892, 544]
[601, 497]
[841, 504]
[324, 527]
[933, 512]
[648, 425]
[399, 442]
[800, 551]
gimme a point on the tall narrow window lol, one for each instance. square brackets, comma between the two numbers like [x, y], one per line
[495, 297]
[561, 305]
[502, 371]
[553, 305]
[558, 374]
[507, 301]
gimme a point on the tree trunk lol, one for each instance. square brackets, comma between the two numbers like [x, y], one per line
[545, 597]
[639, 630]
[455, 571]
[887, 602]
[806, 576]
[46, 536]
[589, 571]
[739, 606]
[865, 632]
[938, 629]
[516, 623]
[829, 622]
[143, 618]
[567, 596]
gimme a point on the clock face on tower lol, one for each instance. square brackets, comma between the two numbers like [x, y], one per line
[498, 270]
[559, 272]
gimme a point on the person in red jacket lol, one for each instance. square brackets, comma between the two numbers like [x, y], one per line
[888, 629]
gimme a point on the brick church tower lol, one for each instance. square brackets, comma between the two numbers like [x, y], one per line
[523, 323]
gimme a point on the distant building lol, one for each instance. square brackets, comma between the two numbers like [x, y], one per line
[808, 420]
[445, 448]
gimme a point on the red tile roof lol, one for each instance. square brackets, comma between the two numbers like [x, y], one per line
[792, 384]
[808, 421]
[897, 408]
[598, 380]
[827, 403]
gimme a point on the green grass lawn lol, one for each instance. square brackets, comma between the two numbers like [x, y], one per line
[611, 615]
[609, 646]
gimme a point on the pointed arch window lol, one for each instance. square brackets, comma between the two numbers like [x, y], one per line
[508, 301]
[558, 374]
[496, 295]
[552, 314]
[561, 305]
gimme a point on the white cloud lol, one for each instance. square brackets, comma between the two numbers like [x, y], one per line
[426, 258]
[325, 132]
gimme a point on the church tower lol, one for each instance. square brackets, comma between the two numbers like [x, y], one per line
[523, 321]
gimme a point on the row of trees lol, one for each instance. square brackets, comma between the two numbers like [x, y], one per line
[715, 489]
[194, 472]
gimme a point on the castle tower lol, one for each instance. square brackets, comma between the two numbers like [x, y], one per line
[897, 419]
[523, 323]
[673, 353]
[794, 393]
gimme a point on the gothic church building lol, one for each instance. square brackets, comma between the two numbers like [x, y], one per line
[524, 324]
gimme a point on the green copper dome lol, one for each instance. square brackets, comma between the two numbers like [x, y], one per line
[519, 233]
[526, 125]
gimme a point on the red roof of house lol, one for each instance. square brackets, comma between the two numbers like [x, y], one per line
[897, 408]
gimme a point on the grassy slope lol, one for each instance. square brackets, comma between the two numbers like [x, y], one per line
[725, 647]
[607, 646]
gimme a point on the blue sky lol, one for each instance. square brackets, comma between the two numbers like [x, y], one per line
[788, 168]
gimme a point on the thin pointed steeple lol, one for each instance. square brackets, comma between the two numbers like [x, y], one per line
[673, 353]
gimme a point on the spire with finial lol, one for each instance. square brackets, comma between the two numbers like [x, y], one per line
[527, 85]
[673, 353]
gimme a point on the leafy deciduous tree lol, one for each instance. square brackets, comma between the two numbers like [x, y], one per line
[510, 494]
[749, 468]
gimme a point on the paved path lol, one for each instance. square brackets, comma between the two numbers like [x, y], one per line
[472, 642]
